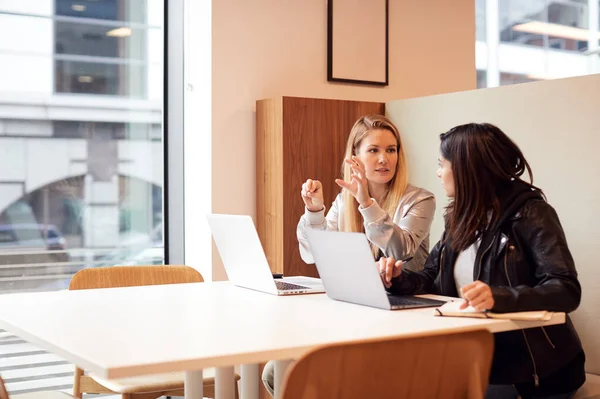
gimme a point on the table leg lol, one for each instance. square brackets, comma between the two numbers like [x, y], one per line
[224, 388]
[280, 367]
[250, 381]
[193, 385]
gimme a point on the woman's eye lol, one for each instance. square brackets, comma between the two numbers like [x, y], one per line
[373, 150]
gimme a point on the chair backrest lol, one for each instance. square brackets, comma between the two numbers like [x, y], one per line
[450, 366]
[127, 276]
[133, 276]
[3, 393]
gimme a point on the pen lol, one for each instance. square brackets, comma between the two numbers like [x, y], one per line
[407, 259]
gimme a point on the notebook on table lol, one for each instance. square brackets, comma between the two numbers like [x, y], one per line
[452, 309]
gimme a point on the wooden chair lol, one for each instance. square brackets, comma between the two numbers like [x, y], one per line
[143, 387]
[33, 395]
[436, 366]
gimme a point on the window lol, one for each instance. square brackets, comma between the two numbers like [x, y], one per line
[514, 78]
[102, 47]
[125, 80]
[481, 79]
[537, 40]
[119, 10]
[480, 17]
[101, 40]
[82, 149]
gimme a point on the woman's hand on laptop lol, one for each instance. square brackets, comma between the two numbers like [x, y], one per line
[312, 195]
[388, 269]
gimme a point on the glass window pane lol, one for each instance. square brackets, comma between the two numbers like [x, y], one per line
[539, 40]
[480, 20]
[514, 78]
[98, 78]
[481, 79]
[78, 38]
[544, 23]
[515, 19]
[571, 16]
[82, 181]
[116, 10]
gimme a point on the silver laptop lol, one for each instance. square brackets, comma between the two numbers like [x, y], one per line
[349, 273]
[245, 260]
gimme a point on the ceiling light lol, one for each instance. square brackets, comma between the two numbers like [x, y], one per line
[85, 79]
[78, 7]
[556, 30]
[119, 32]
[538, 77]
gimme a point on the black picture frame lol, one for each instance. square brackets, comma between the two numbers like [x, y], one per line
[330, 51]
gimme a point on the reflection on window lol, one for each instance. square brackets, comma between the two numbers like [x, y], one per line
[99, 78]
[544, 23]
[79, 38]
[109, 56]
[536, 40]
[119, 10]
[82, 149]
[515, 78]
[481, 79]
[43, 227]
[480, 18]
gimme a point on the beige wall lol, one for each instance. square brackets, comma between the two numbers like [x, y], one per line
[556, 125]
[267, 48]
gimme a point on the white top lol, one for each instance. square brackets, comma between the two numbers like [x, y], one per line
[463, 268]
[125, 332]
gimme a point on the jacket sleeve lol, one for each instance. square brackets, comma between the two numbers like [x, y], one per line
[552, 265]
[424, 281]
[403, 239]
[316, 220]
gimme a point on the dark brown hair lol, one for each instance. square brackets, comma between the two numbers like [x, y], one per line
[484, 162]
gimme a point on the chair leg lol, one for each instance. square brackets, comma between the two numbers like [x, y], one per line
[77, 383]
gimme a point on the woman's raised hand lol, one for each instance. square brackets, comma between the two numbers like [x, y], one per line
[312, 195]
[358, 184]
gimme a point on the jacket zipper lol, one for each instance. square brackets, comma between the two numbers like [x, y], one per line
[510, 284]
[548, 338]
[441, 268]
[481, 259]
[506, 269]
[536, 378]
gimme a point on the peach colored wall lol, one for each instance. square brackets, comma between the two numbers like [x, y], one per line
[267, 48]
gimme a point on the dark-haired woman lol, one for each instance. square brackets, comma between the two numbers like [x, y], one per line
[504, 250]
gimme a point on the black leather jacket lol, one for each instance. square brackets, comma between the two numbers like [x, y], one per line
[525, 259]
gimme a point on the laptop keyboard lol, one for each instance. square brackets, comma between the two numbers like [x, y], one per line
[408, 301]
[283, 286]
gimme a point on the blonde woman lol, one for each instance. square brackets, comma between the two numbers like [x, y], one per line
[376, 199]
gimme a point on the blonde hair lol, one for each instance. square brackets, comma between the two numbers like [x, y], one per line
[351, 219]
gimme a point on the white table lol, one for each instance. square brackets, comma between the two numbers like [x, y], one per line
[125, 332]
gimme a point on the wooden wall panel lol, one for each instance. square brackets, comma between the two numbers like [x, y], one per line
[269, 180]
[314, 141]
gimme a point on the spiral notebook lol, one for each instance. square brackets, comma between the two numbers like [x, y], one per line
[452, 309]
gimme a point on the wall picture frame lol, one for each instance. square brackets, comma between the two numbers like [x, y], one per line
[357, 41]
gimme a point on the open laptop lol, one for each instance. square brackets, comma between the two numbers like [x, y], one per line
[245, 260]
[349, 273]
